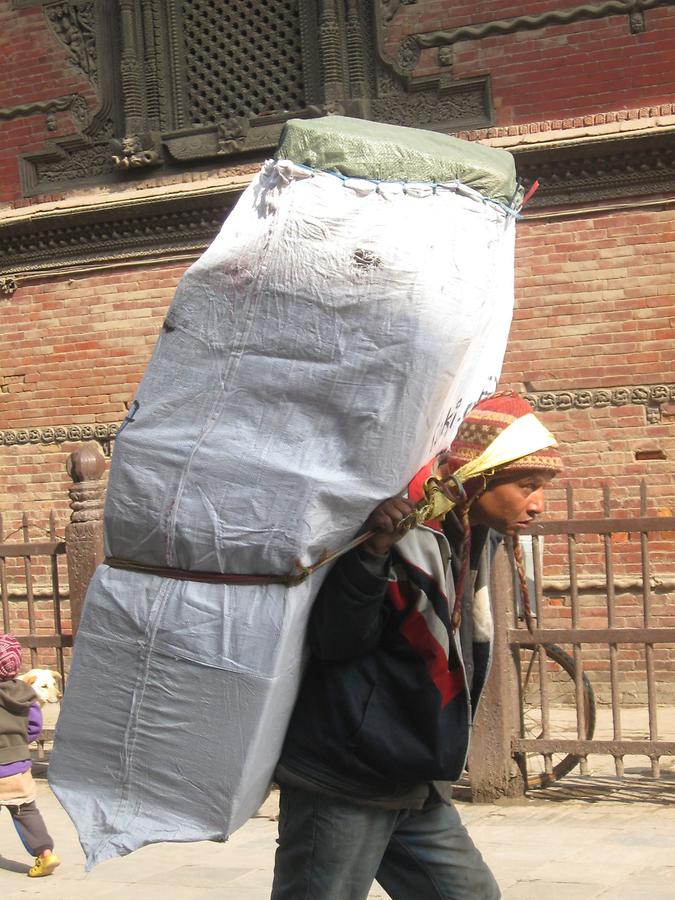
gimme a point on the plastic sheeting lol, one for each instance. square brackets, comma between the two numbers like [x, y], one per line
[322, 348]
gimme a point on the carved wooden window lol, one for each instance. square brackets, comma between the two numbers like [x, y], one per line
[242, 58]
[181, 81]
[212, 75]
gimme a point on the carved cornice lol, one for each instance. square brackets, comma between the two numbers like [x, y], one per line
[132, 230]
[650, 396]
[408, 51]
[616, 167]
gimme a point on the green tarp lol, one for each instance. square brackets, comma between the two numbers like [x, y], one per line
[372, 150]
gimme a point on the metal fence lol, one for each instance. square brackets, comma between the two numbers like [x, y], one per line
[556, 694]
[20, 560]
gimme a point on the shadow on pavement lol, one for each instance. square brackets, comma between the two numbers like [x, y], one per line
[592, 789]
[10, 865]
[637, 785]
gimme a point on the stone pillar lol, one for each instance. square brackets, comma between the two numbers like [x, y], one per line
[492, 770]
[84, 534]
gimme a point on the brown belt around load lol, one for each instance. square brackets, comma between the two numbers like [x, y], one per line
[294, 578]
[207, 577]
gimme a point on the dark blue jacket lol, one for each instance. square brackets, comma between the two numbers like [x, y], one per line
[387, 701]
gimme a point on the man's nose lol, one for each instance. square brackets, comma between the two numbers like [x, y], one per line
[536, 503]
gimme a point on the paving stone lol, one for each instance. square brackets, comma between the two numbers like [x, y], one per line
[542, 890]
[602, 846]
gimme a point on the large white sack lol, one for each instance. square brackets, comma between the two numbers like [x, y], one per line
[318, 353]
[176, 707]
[307, 366]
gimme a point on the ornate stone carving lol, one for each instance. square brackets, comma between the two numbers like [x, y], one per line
[59, 434]
[73, 102]
[445, 56]
[8, 284]
[232, 134]
[637, 22]
[136, 151]
[433, 103]
[74, 25]
[408, 54]
[391, 7]
[651, 396]
[428, 102]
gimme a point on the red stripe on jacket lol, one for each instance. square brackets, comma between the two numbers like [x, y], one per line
[415, 630]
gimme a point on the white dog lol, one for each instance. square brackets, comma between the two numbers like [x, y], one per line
[46, 683]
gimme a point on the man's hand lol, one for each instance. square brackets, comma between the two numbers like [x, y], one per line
[384, 520]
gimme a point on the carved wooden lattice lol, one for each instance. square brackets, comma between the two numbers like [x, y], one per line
[243, 58]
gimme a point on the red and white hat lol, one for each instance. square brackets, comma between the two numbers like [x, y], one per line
[484, 422]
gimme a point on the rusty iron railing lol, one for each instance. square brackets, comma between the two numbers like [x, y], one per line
[28, 555]
[502, 750]
[25, 563]
[613, 635]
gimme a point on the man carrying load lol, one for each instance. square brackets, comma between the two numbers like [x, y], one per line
[400, 644]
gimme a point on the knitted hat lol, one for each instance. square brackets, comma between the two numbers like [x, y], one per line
[486, 420]
[479, 428]
[10, 657]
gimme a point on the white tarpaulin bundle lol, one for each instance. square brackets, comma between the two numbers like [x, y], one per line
[322, 348]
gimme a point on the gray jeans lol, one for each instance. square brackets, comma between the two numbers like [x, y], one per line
[333, 850]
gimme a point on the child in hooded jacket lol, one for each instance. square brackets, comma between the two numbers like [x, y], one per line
[21, 723]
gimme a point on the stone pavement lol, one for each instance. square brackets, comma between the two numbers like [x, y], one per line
[577, 840]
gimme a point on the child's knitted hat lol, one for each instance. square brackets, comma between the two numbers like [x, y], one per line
[484, 422]
[10, 657]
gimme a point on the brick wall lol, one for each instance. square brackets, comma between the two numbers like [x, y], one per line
[72, 353]
[595, 310]
[559, 71]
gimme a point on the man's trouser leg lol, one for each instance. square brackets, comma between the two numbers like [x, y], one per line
[332, 850]
[431, 856]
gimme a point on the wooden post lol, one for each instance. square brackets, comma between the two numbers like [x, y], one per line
[84, 533]
[493, 772]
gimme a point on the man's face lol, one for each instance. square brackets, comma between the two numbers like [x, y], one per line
[510, 504]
